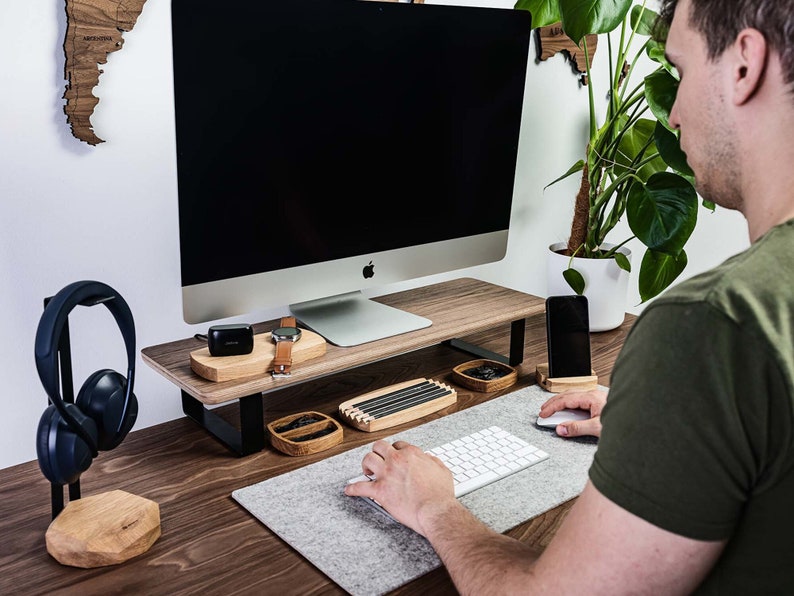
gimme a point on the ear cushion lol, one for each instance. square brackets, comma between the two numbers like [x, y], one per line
[102, 399]
[62, 454]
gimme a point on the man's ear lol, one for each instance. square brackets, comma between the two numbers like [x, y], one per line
[750, 56]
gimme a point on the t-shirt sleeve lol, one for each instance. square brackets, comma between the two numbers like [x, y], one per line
[685, 428]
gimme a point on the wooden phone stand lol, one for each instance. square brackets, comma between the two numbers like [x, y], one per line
[560, 384]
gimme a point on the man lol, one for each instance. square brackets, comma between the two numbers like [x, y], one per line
[692, 486]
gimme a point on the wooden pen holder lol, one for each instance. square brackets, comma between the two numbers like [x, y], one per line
[396, 404]
[560, 384]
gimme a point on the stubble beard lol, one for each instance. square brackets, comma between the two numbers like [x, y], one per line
[719, 179]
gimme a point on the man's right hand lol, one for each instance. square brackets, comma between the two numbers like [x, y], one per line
[592, 400]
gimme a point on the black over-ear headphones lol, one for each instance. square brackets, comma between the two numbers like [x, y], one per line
[69, 435]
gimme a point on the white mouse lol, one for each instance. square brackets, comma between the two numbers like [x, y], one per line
[563, 416]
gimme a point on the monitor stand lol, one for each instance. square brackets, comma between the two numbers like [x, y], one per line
[352, 319]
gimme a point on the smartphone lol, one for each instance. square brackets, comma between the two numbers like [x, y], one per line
[568, 336]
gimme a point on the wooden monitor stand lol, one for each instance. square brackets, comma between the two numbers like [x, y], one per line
[457, 308]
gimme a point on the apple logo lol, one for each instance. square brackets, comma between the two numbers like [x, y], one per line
[368, 271]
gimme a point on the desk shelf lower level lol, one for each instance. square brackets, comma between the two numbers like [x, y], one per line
[457, 308]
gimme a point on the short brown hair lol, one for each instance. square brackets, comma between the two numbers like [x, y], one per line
[719, 21]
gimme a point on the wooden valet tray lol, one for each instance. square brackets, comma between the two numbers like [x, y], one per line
[298, 440]
[258, 362]
[484, 385]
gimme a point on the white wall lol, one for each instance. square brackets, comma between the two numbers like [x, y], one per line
[70, 211]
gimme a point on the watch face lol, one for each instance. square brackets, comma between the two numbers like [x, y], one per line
[286, 334]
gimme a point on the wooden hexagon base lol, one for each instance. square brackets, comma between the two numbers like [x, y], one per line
[104, 529]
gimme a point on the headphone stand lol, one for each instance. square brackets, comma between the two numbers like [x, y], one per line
[75, 427]
[67, 389]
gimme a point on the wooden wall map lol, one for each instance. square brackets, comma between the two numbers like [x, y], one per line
[94, 30]
[552, 40]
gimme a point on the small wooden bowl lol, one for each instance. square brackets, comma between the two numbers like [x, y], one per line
[295, 442]
[460, 375]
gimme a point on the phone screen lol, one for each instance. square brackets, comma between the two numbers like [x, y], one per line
[568, 336]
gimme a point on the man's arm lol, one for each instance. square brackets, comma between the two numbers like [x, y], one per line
[600, 547]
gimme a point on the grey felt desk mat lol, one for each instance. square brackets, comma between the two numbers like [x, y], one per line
[367, 553]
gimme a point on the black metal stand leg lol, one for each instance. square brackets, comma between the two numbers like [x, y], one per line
[74, 490]
[516, 346]
[251, 436]
[517, 329]
[56, 498]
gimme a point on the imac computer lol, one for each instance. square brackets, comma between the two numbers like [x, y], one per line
[327, 148]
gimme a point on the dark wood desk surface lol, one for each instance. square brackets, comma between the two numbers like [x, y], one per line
[210, 544]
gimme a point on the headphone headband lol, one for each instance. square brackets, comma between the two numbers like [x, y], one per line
[51, 326]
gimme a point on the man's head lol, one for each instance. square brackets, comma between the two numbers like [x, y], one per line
[731, 77]
[719, 21]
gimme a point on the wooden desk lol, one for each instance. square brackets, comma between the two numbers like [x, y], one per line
[211, 545]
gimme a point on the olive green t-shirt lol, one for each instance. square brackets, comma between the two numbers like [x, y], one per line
[698, 430]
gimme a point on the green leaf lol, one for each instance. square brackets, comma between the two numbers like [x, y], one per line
[669, 147]
[660, 91]
[662, 213]
[630, 145]
[574, 279]
[659, 31]
[658, 271]
[544, 12]
[623, 261]
[643, 20]
[655, 51]
[583, 17]
[577, 167]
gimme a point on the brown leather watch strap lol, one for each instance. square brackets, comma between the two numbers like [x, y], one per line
[282, 361]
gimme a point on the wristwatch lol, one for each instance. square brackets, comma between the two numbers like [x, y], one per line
[286, 334]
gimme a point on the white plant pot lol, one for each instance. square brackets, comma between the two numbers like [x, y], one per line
[606, 285]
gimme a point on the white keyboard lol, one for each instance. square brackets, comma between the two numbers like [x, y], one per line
[481, 458]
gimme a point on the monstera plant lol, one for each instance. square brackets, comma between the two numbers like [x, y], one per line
[633, 165]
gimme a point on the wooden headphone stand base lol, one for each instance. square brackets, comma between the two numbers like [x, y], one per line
[104, 529]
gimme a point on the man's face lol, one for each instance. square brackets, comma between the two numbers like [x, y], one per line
[700, 115]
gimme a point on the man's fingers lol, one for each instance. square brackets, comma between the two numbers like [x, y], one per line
[580, 428]
[568, 399]
[359, 489]
[373, 462]
[381, 447]
[592, 400]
